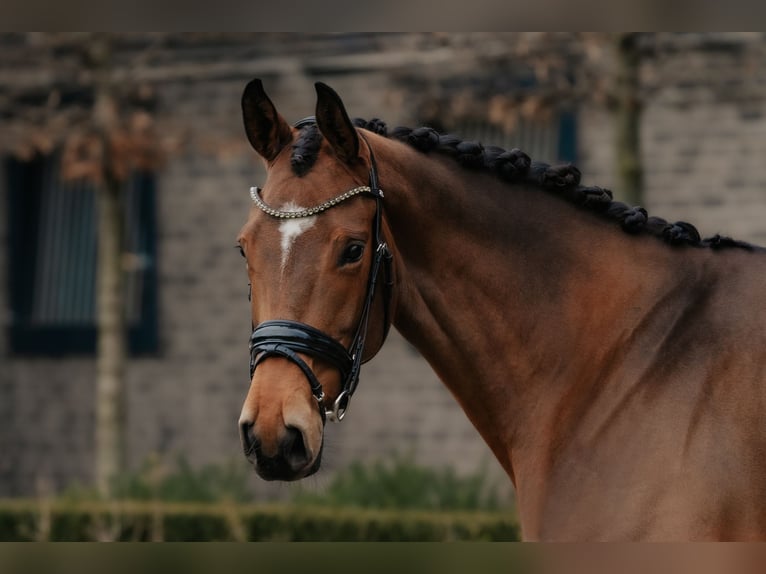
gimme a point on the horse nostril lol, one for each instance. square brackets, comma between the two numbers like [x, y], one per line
[246, 434]
[294, 449]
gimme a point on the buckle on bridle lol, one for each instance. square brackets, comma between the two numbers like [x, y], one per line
[339, 407]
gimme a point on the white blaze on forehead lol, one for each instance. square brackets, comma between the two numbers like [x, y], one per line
[291, 229]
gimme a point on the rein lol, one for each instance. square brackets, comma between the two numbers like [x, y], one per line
[286, 338]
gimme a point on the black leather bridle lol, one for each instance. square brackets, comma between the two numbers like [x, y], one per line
[290, 339]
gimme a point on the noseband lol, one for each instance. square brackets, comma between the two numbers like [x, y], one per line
[289, 339]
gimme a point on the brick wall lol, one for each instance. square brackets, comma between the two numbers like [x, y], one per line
[703, 156]
[703, 139]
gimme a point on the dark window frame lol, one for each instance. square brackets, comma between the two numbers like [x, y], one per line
[564, 121]
[24, 180]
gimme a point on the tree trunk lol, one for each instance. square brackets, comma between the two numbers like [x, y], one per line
[110, 371]
[111, 346]
[628, 120]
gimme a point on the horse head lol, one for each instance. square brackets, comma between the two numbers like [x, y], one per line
[315, 248]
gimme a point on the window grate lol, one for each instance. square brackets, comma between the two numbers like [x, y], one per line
[53, 257]
[550, 141]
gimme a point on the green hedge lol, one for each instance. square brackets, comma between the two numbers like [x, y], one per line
[398, 482]
[61, 520]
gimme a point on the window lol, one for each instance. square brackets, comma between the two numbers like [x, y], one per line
[52, 261]
[551, 141]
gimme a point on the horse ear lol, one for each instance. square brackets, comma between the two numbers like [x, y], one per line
[267, 131]
[335, 125]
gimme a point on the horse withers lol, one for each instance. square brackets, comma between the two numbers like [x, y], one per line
[614, 363]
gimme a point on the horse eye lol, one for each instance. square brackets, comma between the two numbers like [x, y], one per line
[352, 253]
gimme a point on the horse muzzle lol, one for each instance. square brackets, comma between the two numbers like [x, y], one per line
[290, 459]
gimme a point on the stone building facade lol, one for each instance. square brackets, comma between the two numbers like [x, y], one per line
[703, 129]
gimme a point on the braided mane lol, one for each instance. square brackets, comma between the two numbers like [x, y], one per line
[514, 166]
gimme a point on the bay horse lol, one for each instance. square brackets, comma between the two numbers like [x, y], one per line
[614, 363]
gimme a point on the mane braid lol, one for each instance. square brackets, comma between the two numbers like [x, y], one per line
[515, 166]
[562, 180]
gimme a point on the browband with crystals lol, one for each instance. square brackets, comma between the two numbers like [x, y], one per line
[255, 195]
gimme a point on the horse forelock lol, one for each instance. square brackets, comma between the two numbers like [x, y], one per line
[515, 166]
[305, 149]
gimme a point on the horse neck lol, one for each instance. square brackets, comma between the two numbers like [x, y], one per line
[514, 296]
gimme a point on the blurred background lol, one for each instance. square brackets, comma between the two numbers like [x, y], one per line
[124, 181]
